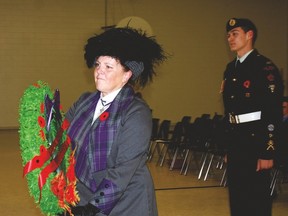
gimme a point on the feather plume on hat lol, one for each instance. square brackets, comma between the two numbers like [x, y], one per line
[133, 48]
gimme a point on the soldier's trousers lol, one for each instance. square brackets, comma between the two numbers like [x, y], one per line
[249, 191]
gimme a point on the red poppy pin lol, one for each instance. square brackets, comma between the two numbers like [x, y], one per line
[104, 116]
[270, 77]
[246, 84]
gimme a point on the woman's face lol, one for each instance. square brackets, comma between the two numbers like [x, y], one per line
[110, 75]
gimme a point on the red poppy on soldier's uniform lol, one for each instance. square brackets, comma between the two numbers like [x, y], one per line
[270, 77]
[246, 84]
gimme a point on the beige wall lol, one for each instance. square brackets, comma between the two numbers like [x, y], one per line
[44, 39]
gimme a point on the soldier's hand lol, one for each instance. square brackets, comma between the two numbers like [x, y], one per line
[264, 164]
[225, 158]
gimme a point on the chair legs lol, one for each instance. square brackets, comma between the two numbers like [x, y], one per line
[162, 154]
[223, 182]
[189, 155]
[205, 155]
[154, 147]
[219, 160]
[185, 161]
[204, 164]
[151, 151]
[274, 180]
[208, 168]
[174, 159]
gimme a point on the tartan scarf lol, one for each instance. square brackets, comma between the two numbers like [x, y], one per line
[93, 143]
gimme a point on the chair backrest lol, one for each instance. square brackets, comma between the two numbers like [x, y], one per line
[217, 117]
[163, 132]
[200, 132]
[178, 132]
[155, 128]
[186, 119]
[205, 116]
[219, 135]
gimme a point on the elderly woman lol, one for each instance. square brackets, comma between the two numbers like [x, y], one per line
[110, 129]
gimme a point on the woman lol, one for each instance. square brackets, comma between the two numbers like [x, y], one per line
[110, 129]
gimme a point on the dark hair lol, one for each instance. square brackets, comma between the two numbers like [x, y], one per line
[254, 30]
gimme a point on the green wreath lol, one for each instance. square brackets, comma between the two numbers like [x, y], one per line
[47, 157]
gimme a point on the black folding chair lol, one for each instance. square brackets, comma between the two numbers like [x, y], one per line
[170, 146]
[154, 134]
[197, 141]
[162, 135]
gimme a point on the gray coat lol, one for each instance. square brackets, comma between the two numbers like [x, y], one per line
[126, 165]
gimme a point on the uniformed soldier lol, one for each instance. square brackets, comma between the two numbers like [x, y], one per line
[252, 91]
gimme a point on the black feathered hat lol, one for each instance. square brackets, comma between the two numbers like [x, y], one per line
[133, 48]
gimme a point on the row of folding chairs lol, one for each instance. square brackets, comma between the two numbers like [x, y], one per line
[202, 142]
[187, 141]
[165, 134]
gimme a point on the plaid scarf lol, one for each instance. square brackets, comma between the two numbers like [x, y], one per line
[93, 143]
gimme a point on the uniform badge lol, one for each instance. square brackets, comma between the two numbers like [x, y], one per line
[232, 22]
[269, 68]
[272, 88]
[270, 145]
[270, 127]
[247, 94]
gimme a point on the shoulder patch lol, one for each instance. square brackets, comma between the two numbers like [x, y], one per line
[269, 68]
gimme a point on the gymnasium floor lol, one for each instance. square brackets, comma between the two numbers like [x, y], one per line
[177, 195]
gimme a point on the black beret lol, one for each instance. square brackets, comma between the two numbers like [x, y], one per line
[240, 22]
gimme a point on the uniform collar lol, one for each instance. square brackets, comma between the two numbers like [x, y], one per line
[244, 56]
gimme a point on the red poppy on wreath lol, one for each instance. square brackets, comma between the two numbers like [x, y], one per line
[246, 84]
[65, 124]
[104, 116]
[42, 108]
[41, 121]
[42, 135]
[68, 140]
[36, 85]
